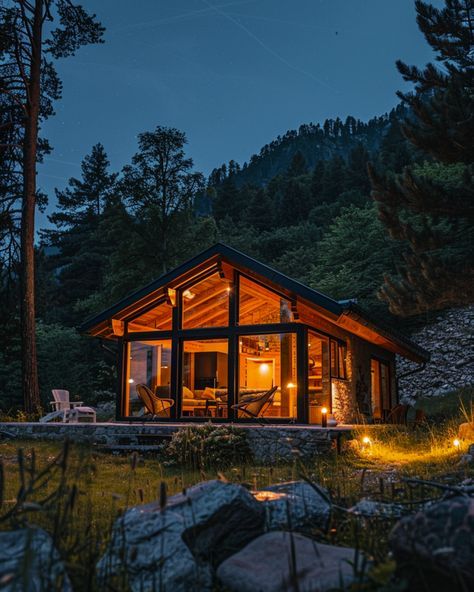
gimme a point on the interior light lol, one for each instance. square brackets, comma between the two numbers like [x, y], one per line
[291, 385]
[264, 368]
[131, 381]
[188, 294]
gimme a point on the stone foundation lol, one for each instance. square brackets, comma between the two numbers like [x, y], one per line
[269, 444]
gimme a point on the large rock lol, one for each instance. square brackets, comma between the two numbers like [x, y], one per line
[434, 548]
[295, 505]
[29, 562]
[170, 550]
[368, 508]
[266, 565]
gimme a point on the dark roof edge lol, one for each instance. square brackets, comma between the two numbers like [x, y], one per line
[384, 329]
[235, 256]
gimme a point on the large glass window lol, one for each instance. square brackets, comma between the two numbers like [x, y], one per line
[206, 304]
[149, 365]
[259, 306]
[380, 388]
[205, 378]
[319, 385]
[267, 362]
[158, 318]
[338, 359]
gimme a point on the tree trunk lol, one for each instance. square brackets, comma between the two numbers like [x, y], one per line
[31, 394]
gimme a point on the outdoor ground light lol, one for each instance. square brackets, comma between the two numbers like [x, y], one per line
[366, 440]
[456, 443]
[324, 417]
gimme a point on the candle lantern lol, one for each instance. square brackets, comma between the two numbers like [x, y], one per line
[324, 417]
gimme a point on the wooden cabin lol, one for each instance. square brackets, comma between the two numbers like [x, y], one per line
[223, 327]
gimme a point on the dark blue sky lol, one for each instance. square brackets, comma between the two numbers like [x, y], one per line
[231, 74]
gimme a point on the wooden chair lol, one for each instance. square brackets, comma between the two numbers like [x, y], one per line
[255, 405]
[156, 406]
[66, 410]
[398, 415]
[420, 418]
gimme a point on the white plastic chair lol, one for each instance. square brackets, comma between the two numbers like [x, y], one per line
[68, 411]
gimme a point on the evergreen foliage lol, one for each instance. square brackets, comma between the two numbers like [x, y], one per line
[430, 208]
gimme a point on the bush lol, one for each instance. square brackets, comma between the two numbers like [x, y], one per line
[208, 446]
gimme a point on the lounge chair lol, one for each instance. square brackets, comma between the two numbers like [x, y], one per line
[255, 405]
[156, 406]
[68, 411]
[398, 415]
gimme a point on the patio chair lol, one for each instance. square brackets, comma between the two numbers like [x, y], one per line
[156, 406]
[255, 405]
[68, 411]
[398, 415]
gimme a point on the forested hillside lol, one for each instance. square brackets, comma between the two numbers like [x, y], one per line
[378, 211]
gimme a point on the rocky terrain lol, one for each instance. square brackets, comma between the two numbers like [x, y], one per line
[450, 340]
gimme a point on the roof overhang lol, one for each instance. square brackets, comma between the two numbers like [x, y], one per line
[219, 258]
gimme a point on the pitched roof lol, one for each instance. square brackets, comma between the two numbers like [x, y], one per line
[346, 309]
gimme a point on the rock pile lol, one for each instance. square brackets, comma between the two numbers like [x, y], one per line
[450, 340]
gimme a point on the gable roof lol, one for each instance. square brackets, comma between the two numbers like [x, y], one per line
[347, 314]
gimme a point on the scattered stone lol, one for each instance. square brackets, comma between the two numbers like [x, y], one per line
[295, 505]
[466, 459]
[30, 562]
[265, 565]
[373, 509]
[470, 449]
[434, 548]
[171, 549]
[449, 340]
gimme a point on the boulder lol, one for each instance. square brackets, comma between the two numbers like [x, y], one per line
[466, 431]
[372, 509]
[29, 562]
[434, 548]
[295, 505]
[266, 565]
[170, 549]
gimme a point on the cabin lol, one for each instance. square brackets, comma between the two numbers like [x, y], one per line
[224, 329]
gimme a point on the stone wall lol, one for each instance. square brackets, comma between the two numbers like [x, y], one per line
[269, 444]
[450, 340]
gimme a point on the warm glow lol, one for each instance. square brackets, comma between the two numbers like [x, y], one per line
[324, 410]
[291, 385]
[188, 294]
[264, 368]
[456, 443]
[265, 496]
[366, 440]
[228, 288]
[131, 381]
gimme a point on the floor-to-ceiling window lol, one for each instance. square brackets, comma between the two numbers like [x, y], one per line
[205, 380]
[319, 383]
[380, 388]
[149, 364]
[268, 362]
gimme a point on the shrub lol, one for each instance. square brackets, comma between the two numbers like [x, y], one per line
[208, 446]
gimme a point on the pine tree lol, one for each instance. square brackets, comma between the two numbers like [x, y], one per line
[298, 165]
[431, 209]
[80, 252]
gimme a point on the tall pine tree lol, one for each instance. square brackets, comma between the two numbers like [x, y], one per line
[431, 209]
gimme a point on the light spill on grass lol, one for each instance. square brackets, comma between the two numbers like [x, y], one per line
[426, 450]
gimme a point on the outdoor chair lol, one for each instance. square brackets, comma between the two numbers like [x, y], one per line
[156, 406]
[398, 415]
[68, 411]
[254, 406]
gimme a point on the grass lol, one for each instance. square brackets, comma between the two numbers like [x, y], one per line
[75, 493]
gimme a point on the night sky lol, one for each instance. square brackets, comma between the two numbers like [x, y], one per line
[231, 74]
